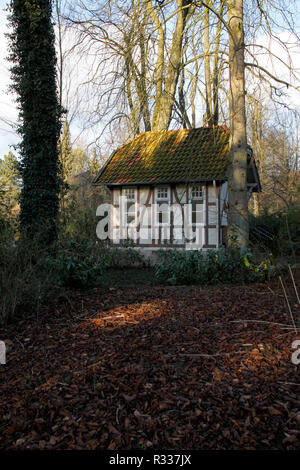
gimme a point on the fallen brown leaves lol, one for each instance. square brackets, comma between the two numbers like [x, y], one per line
[162, 368]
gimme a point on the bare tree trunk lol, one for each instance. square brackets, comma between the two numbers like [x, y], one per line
[212, 71]
[181, 102]
[140, 78]
[238, 224]
[132, 107]
[217, 68]
[255, 121]
[166, 86]
[208, 119]
[181, 106]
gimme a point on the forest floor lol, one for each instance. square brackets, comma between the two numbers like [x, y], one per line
[151, 367]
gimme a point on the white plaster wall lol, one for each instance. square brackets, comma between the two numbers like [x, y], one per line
[178, 234]
[181, 192]
[145, 227]
[116, 196]
[211, 193]
[212, 236]
[212, 215]
[148, 232]
[144, 193]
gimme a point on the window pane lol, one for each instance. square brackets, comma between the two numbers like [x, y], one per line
[197, 192]
[165, 217]
[197, 209]
[194, 217]
[129, 212]
[162, 192]
[163, 213]
[130, 194]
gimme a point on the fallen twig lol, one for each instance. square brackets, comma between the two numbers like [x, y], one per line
[259, 321]
[288, 304]
[294, 284]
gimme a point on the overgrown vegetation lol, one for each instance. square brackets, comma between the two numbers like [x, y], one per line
[211, 267]
[31, 276]
[25, 281]
[278, 233]
[77, 263]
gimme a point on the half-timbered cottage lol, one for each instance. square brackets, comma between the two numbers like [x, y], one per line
[169, 189]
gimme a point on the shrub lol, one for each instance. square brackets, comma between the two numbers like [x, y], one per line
[83, 249]
[289, 233]
[211, 267]
[25, 281]
[80, 266]
[31, 276]
[278, 233]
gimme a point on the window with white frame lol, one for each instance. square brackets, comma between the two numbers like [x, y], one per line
[162, 204]
[162, 193]
[196, 204]
[197, 192]
[129, 198]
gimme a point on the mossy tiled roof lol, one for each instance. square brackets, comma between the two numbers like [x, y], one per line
[166, 156]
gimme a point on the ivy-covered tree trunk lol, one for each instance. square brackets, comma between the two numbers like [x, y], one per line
[32, 52]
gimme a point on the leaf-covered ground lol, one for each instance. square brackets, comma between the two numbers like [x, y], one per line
[154, 367]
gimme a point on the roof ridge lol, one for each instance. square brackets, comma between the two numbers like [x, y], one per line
[167, 131]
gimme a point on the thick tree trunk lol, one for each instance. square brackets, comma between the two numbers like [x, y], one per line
[238, 224]
[212, 77]
[166, 86]
[34, 80]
